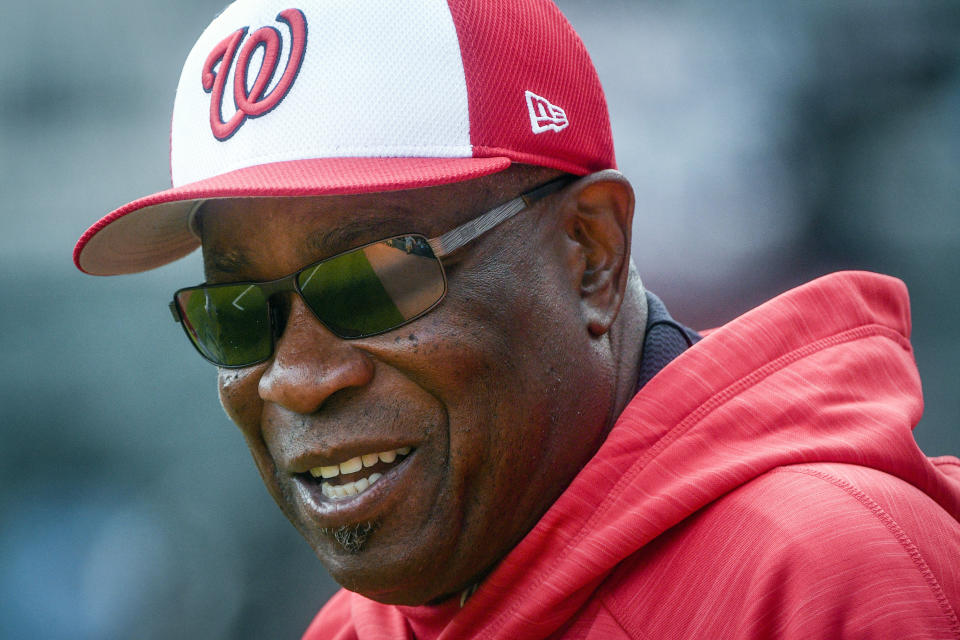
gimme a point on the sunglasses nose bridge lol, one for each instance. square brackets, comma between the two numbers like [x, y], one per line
[279, 295]
[278, 319]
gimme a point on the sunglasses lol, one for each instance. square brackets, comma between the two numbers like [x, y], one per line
[359, 293]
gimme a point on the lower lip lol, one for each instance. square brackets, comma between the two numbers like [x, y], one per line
[327, 512]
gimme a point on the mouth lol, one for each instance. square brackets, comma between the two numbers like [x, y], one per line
[345, 480]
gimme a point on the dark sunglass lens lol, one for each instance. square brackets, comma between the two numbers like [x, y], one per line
[374, 288]
[230, 325]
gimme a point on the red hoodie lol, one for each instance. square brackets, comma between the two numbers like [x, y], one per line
[765, 484]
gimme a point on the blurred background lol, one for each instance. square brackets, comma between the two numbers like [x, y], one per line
[769, 143]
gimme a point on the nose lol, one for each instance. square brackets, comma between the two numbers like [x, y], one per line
[310, 364]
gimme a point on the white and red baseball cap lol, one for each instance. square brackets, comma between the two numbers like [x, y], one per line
[324, 97]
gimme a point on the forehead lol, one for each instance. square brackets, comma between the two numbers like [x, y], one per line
[265, 238]
[259, 238]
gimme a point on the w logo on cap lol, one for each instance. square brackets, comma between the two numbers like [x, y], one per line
[252, 102]
[543, 115]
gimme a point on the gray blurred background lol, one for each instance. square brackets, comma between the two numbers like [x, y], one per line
[768, 143]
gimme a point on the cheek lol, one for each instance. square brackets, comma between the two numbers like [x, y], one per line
[478, 357]
[241, 401]
[240, 398]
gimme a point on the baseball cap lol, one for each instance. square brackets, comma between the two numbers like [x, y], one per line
[334, 97]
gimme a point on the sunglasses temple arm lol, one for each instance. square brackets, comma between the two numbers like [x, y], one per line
[472, 229]
[544, 190]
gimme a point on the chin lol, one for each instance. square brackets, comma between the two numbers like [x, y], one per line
[361, 563]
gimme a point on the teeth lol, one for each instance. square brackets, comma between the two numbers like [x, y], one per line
[349, 489]
[356, 464]
[327, 472]
[340, 491]
[351, 466]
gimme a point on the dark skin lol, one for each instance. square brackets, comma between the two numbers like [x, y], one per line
[503, 392]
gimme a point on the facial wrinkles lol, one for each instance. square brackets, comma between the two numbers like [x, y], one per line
[443, 381]
[244, 413]
[473, 400]
[308, 432]
[516, 362]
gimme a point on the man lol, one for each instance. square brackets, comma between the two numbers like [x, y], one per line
[420, 297]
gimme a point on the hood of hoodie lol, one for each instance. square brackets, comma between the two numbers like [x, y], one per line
[822, 373]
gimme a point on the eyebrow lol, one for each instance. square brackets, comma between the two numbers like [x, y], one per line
[356, 233]
[231, 262]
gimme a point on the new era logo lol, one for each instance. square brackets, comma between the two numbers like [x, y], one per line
[545, 116]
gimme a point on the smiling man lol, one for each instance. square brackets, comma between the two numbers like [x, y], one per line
[415, 459]
[428, 329]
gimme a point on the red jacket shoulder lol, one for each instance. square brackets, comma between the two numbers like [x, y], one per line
[816, 550]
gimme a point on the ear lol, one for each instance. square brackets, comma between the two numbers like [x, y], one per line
[597, 212]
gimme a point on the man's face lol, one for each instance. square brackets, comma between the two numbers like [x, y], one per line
[487, 391]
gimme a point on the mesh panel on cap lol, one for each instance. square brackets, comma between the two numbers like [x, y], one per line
[378, 79]
[509, 48]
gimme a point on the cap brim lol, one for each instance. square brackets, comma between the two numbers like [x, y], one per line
[154, 230]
